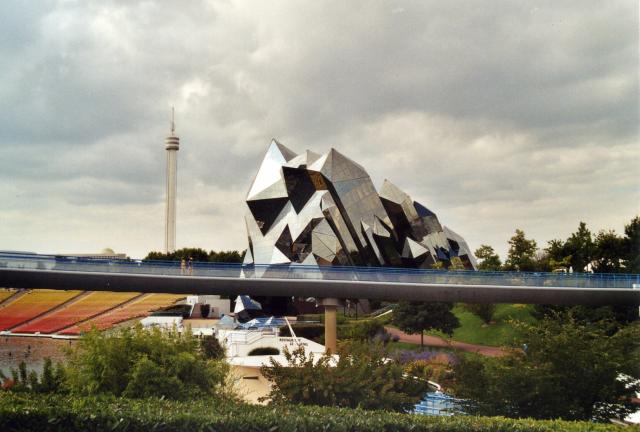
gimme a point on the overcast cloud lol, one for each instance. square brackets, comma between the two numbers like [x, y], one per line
[496, 115]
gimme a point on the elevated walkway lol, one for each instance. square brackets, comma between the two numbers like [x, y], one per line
[35, 271]
[326, 284]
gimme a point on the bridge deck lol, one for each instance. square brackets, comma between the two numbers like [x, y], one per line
[37, 271]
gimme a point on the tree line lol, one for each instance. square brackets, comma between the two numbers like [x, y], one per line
[199, 255]
[604, 252]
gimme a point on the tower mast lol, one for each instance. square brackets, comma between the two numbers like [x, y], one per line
[172, 147]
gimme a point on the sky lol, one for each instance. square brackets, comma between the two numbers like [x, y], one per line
[495, 115]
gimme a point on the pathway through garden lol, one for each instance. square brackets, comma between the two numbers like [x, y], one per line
[435, 341]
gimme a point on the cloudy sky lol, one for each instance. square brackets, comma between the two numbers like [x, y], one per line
[496, 115]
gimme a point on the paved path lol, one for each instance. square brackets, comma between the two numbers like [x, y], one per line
[434, 341]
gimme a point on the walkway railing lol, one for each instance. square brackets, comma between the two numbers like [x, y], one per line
[300, 272]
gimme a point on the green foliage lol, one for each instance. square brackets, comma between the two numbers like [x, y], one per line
[489, 259]
[615, 316]
[226, 256]
[522, 253]
[632, 246]
[439, 372]
[135, 362]
[579, 246]
[50, 380]
[363, 377]
[55, 413]
[211, 348]
[568, 370]
[576, 252]
[484, 311]
[198, 254]
[361, 330]
[609, 253]
[418, 317]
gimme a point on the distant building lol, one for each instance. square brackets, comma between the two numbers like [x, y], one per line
[101, 255]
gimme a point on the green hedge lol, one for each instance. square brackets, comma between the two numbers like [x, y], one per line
[31, 412]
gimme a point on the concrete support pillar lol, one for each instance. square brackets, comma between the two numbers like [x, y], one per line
[330, 324]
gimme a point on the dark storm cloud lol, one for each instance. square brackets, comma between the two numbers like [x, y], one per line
[497, 114]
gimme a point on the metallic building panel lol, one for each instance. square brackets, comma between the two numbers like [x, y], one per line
[325, 210]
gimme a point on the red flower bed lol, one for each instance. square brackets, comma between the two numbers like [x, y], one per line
[82, 309]
[135, 309]
[32, 304]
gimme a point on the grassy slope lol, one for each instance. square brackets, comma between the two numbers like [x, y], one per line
[499, 332]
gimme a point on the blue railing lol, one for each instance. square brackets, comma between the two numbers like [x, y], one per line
[295, 271]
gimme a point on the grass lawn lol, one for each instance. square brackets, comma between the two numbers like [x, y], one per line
[472, 330]
[500, 332]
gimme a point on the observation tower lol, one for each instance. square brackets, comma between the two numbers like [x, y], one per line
[172, 146]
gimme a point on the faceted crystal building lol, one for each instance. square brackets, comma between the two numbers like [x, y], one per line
[324, 210]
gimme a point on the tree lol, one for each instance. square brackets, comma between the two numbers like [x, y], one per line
[632, 246]
[198, 254]
[616, 316]
[556, 254]
[417, 317]
[211, 347]
[227, 256]
[568, 370]
[135, 362]
[522, 253]
[362, 377]
[609, 252]
[490, 261]
[541, 261]
[484, 311]
[580, 247]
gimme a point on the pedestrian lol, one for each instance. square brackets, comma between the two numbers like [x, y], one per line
[183, 266]
[190, 266]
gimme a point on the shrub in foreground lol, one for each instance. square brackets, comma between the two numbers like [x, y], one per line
[363, 377]
[568, 370]
[56, 413]
[135, 362]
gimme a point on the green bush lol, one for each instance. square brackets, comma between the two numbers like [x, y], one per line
[56, 413]
[361, 330]
[363, 377]
[135, 362]
[484, 311]
[567, 369]
[211, 347]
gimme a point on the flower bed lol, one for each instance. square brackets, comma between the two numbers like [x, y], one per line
[129, 311]
[32, 304]
[86, 307]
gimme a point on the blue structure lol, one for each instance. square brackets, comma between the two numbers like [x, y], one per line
[36, 271]
[438, 404]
